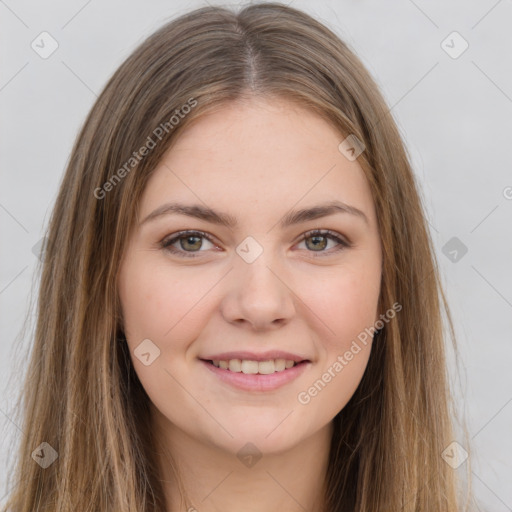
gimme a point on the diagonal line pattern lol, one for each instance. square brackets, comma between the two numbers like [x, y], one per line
[509, 508]
[493, 287]
[14, 76]
[286, 491]
[90, 89]
[199, 403]
[170, 170]
[12, 280]
[485, 15]
[301, 300]
[404, 95]
[198, 301]
[492, 81]
[424, 14]
[305, 194]
[15, 424]
[107, 106]
[492, 211]
[77, 13]
[414, 497]
[217, 486]
[501, 409]
[14, 14]
[13, 217]
[279, 424]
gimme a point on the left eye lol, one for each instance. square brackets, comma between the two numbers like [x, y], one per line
[319, 240]
[192, 242]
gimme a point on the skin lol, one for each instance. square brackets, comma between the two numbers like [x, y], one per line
[255, 160]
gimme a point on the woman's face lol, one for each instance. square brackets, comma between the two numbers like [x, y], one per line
[257, 286]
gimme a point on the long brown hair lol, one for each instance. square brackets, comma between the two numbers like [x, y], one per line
[81, 394]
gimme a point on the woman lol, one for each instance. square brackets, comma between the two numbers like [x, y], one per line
[240, 306]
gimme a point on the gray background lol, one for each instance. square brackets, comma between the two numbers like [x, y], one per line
[455, 115]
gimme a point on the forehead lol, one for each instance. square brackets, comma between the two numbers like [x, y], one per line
[255, 156]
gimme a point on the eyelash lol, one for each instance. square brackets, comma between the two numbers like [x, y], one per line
[166, 243]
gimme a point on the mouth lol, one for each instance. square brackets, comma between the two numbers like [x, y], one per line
[254, 367]
[256, 376]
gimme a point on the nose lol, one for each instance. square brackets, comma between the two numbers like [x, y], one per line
[258, 295]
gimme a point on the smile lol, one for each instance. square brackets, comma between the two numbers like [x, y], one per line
[249, 366]
[250, 375]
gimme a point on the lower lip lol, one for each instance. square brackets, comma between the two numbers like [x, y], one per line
[257, 382]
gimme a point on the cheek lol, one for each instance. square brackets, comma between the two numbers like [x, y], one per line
[144, 296]
[161, 305]
[346, 302]
[347, 305]
[164, 307]
[343, 360]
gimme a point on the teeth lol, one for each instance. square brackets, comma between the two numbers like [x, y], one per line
[253, 367]
[235, 365]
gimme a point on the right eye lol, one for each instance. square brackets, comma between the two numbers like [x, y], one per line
[186, 240]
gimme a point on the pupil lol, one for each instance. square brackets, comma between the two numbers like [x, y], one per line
[189, 238]
[316, 245]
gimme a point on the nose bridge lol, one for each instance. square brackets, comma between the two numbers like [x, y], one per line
[255, 269]
[258, 293]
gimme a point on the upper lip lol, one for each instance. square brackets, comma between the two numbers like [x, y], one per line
[253, 356]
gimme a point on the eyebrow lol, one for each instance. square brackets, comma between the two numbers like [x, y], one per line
[224, 219]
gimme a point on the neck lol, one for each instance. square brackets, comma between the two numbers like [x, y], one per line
[201, 476]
